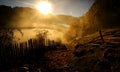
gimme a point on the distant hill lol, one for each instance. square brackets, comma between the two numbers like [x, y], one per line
[27, 17]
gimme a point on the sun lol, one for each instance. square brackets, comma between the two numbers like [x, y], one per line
[44, 7]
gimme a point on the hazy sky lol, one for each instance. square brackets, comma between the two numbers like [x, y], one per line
[67, 7]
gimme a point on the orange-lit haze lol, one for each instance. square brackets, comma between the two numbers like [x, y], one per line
[43, 17]
[31, 22]
[53, 24]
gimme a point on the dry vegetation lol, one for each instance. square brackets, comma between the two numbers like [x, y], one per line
[92, 41]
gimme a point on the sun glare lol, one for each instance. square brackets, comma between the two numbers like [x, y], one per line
[44, 7]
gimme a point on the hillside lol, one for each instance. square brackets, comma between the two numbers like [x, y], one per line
[92, 55]
[102, 14]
